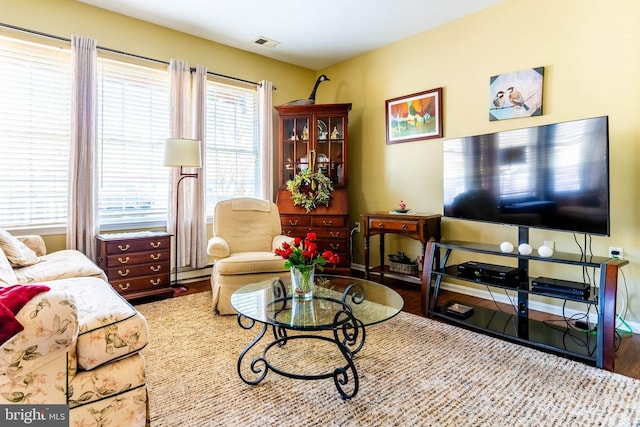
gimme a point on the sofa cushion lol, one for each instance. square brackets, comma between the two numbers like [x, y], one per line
[17, 252]
[249, 262]
[7, 275]
[121, 376]
[58, 265]
[12, 299]
[110, 328]
[50, 330]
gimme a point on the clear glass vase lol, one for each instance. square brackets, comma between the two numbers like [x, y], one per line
[302, 279]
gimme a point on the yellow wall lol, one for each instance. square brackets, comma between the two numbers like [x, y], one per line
[591, 52]
[589, 48]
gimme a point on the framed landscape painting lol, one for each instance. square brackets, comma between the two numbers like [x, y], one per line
[414, 117]
[517, 94]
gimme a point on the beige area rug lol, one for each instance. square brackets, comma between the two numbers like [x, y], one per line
[413, 372]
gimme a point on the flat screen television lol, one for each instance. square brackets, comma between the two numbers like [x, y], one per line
[553, 176]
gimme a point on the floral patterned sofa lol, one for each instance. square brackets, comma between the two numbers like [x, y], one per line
[80, 343]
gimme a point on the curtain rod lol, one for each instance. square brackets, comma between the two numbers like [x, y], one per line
[120, 52]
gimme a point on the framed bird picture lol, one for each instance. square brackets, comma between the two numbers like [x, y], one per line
[517, 94]
[414, 117]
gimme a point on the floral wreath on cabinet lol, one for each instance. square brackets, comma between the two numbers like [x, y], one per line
[310, 188]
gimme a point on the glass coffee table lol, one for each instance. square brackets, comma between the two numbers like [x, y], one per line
[338, 313]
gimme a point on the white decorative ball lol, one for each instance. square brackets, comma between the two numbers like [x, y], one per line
[506, 247]
[525, 249]
[545, 251]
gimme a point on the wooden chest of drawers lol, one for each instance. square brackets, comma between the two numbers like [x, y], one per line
[332, 233]
[137, 264]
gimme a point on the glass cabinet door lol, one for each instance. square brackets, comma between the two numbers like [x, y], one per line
[313, 136]
[295, 145]
[329, 144]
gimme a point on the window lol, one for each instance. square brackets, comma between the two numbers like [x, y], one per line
[233, 148]
[133, 123]
[35, 99]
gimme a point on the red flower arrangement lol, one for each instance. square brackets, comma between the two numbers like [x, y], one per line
[304, 253]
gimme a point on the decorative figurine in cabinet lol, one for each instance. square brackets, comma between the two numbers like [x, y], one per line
[313, 140]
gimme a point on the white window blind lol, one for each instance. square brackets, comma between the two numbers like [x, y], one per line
[233, 146]
[133, 123]
[35, 97]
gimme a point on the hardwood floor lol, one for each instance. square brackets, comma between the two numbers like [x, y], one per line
[627, 360]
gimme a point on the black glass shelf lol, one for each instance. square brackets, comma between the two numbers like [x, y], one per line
[452, 272]
[553, 336]
[557, 257]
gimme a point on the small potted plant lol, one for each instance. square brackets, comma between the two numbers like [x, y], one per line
[401, 263]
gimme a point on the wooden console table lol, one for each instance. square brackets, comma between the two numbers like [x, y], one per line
[422, 227]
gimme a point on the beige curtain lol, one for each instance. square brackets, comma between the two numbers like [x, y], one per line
[180, 84]
[265, 117]
[198, 238]
[82, 218]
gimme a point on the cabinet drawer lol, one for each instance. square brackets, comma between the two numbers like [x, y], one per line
[131, 271]
[295, 221]
[336, 246]
[295, 231]
[129, 259]
[328, 221]
[395, 225]
[141, 283]
[138, 245]
[331, 233]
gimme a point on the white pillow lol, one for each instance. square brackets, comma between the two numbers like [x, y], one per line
[7, 275]
[18, 254]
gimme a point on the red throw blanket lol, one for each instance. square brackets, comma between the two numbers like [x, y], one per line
[12, 299]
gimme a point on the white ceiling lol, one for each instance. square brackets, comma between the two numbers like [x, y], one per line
[313, 34]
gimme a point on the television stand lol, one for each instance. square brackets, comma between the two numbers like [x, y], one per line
[516, 326]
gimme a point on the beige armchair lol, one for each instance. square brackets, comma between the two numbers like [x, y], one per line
[246, 231]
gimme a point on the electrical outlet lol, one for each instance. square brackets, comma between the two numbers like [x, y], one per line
[550, 244]
[615, 253]
[356, 227]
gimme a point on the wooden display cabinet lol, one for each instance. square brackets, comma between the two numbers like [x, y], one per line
[316, 136]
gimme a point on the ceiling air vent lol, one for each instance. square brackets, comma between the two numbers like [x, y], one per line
[265, 42]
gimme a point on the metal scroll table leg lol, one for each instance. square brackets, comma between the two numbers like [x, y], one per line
[349, 327]
[259, 365]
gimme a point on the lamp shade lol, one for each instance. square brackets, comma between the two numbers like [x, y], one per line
[182, 152]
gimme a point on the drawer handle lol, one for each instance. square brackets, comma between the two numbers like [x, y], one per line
[123, 273]
[293, 222]
[125, 286]
[381, 225]
[327, 223]
[154, 282]
[155, 268]
[124, 248]
[404, 226]
[336, 234]
[123, 261]
[155, 245]
[335, 247]
[155, 257]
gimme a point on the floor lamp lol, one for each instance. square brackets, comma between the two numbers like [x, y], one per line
[183, 153]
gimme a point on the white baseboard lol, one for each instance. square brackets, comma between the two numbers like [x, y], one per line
[502, 298]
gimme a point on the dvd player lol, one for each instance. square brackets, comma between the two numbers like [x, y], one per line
[499, 274]
[548, 285]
